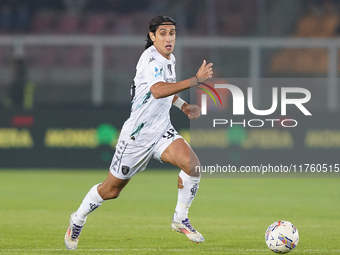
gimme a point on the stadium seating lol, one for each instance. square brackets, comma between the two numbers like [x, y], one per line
[233, 19]
[307, 61]
[43, 22]
[96, 23]
[68, 24]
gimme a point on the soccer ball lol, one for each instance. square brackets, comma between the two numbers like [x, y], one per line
[282, 237]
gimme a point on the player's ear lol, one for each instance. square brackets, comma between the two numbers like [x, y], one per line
[152, 36]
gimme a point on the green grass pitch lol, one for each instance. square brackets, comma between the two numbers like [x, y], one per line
[232, 214]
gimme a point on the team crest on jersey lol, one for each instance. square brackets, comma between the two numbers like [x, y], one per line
[158, 72]
[125, 170]
[169, 68]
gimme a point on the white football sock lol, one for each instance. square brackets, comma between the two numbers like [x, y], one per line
[185, 195]
[91, 202]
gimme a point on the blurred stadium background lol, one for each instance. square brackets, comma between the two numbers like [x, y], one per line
[66, 66]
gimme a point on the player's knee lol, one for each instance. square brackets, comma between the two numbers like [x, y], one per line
[109, 193]
[191, 165]
[194, 165]
[113, 193]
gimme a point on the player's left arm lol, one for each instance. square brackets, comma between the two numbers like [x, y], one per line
[192, 111]
[162, 89]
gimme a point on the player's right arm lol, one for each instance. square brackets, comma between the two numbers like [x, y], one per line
[165, 89]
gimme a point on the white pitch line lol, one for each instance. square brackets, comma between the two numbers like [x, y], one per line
[154, 249]
[109, 250]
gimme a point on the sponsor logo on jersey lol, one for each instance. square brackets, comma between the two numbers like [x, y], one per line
[158, 72]
[151, 59]
[171, 80]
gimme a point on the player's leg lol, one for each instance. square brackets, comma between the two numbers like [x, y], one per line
[180, 154]
[109, 189]
[127, 161]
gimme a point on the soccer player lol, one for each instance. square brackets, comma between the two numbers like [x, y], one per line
[148, 132]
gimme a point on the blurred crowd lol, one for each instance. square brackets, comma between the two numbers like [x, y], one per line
[229, 18]
[319, 19]
[196, 17]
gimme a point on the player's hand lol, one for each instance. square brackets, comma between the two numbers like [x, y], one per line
[193, 111]
[205, 72]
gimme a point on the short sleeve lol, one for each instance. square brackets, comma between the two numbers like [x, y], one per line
[154, 72]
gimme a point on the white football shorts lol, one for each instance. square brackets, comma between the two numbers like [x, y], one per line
[130, 159]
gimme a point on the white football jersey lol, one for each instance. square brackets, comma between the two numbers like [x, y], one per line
[149, 117]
